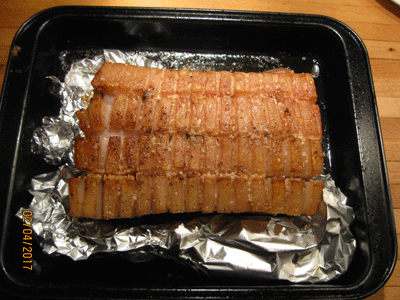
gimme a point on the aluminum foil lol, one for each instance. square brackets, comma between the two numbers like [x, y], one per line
[297, 249]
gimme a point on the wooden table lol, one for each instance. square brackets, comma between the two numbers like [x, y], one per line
[377, 22]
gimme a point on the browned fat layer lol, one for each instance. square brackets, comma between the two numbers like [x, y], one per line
[260, 114]
[228, 116]
[259, 157]
[131, 154]
[212, 84]
[312, 190]
[111, 197]
[87, 153]
[118, 77]
[119, 112]
[148, 114]
[112, 159]
[182, 141]
[103, 150]
[169, 83]
[258, 194]
[294, 194]
[126, 196]
[161, 143]
[225, 202]
[162, 152]
[317, 157]
[245, 155]
[76, 191]
[96, 115]
[133, 113]
[197, 154]
[227, 155]
[165, 119]
[161, 193]
[197, 113]
[297, 165]
[144, 185]
[194, 195]
[92, 197]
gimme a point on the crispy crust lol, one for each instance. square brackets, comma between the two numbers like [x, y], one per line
[163, 152]
[174, 141]
[129, 196]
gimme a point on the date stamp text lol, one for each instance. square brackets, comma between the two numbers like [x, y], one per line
[27, 240]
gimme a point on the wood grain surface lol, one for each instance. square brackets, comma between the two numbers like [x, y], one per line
[377, 22]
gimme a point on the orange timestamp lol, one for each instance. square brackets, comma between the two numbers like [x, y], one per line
[27, 240]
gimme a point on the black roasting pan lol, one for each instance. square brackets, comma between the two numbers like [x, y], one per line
[355, 156]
